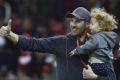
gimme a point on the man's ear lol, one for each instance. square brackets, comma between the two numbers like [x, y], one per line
[87, 24]
[88, 27]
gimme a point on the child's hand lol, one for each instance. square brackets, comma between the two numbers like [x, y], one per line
[72, 52]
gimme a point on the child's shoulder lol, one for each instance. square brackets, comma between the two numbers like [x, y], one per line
[105, 33]
[97, 35]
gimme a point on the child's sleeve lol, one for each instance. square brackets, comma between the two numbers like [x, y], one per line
[90, 45]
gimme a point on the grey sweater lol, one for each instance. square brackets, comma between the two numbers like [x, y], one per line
[100, 45]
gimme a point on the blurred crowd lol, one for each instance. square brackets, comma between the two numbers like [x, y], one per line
[40, 18]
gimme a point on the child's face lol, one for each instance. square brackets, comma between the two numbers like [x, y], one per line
[94, 26]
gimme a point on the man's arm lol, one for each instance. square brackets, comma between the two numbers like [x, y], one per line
[38, 44]
[13, 37]
[31, 44]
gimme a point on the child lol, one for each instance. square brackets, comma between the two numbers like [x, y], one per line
[101, 43]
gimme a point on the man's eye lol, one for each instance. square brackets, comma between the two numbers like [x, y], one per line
[71, 19]
[78, 20]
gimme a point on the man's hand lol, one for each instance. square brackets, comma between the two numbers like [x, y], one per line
[5, 30]
[88, 74]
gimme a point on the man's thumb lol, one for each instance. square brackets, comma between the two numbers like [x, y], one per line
[9, 24]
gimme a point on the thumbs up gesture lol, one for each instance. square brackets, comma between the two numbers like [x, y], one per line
[5, 30]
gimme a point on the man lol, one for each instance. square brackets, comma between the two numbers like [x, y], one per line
[100, 44]
[68, 68]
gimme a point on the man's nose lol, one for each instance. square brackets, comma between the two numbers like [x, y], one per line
[73, 24]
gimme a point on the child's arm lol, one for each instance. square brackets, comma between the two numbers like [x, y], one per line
[91, 44]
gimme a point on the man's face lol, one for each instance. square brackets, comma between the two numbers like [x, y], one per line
[77, 26]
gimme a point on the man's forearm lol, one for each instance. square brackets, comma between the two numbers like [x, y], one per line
[13, 37]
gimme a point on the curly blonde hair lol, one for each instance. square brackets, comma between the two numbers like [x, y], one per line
[105, 20]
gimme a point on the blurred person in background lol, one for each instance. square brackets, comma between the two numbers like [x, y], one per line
[42, 29]
[2, 14]
[44, 63]
[7, 10]
[7, 69]
[113, 7]
[56, 27]
[25, 58]
[2, 63]
[116, 62]
[26, 25]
